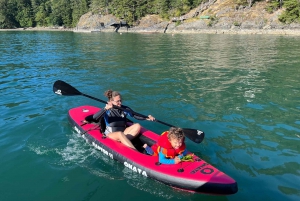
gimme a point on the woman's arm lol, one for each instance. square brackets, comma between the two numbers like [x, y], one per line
[99, 114]
[129, 111]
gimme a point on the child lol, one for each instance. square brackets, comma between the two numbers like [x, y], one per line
[170, 147]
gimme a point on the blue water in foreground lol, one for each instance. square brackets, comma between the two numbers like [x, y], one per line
[242, 90]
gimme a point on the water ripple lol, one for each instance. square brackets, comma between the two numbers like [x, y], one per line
[243, 91]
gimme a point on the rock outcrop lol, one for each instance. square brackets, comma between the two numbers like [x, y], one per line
[215, 16]
[95, 22]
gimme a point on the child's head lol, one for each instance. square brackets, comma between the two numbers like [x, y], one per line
[176, 137]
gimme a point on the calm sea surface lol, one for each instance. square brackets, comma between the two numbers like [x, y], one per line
[242, 90]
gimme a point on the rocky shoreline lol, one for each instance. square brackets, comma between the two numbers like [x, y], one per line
[233, 30]
[171, 30]
[213, 17]
[152, 24]
[39, 29]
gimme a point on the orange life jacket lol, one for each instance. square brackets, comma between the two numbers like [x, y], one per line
[168, 150]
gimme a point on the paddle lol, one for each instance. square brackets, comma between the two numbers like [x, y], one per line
[63, 88]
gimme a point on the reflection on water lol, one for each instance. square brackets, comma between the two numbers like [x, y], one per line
[241, 90]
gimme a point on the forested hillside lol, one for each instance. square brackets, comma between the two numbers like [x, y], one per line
[32, 13]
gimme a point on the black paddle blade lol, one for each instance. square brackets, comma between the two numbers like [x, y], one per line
[194, 135]
[62, 88]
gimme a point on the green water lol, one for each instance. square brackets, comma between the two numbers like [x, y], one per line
[242, 90]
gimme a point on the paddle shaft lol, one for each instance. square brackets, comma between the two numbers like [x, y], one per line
[63, 88]
[124, 109]
[97, 99]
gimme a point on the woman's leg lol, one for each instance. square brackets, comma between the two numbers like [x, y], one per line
[132, 131]
[120, 136]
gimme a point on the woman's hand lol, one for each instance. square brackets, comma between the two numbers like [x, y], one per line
[150, 118]
[108, 106]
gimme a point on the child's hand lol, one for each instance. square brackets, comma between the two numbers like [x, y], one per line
[177, 160]
[188, 157]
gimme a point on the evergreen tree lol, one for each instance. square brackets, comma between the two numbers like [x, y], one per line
[8, 12]
[291, 13]
[78, 7]
[24, 14]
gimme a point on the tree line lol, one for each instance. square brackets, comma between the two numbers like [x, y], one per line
[32, 13]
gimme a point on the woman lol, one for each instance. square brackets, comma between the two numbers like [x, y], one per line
[115, 119]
